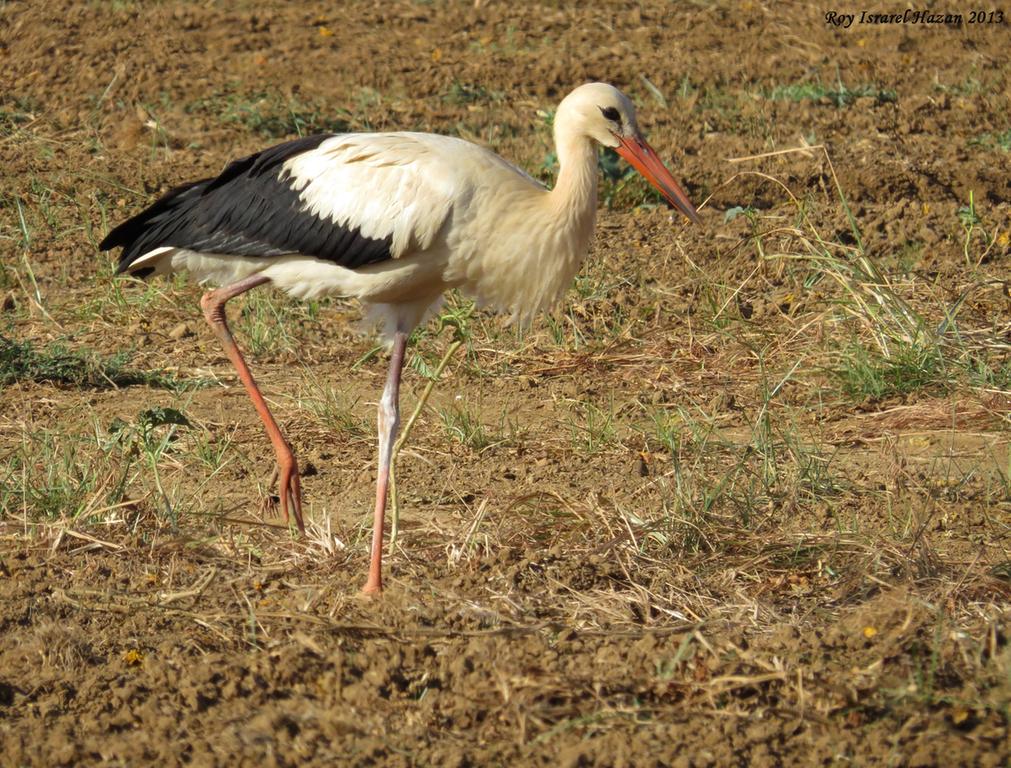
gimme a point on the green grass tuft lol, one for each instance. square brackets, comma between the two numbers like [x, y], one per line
[866, 373]
[839, 95]
[464, 425]
[462, 94]
[53, 476]
[58, 364]
[993, 141]
[272, 115]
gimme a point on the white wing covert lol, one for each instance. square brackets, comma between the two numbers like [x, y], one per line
[384, 186]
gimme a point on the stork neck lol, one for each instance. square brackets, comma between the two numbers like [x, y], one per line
[575, 191]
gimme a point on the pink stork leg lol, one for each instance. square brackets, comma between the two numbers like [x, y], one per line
[389, 423]
[213, 304]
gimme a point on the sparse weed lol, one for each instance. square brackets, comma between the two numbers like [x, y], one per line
[159, 136]
[458, 314]
[272, 115]
[211, 449]
[51, 477]
[988, 369]
[721, 101]
[972, 223]
[128, 299]
[839, 95]
[11, 120]
[864, 373]
[154, 431]
[463, 424]
[334, 406]
[993, 141]
[268, 321]
[469, 93]
[59, 364]
[592, 428]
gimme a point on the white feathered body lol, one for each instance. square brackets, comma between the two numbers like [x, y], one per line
[458, 216]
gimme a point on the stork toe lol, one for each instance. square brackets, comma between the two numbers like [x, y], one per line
[289, 489]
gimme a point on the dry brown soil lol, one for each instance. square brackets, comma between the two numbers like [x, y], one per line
[656, 528]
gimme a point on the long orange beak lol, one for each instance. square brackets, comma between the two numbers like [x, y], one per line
[641, 156]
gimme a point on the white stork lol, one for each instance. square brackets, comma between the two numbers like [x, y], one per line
[393, 219]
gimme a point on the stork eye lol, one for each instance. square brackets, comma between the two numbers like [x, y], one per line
[610, 113]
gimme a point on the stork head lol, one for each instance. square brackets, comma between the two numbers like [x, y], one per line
[604, 114]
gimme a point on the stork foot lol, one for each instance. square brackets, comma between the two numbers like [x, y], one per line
[271, 503]
[289, 488]
[289, 492]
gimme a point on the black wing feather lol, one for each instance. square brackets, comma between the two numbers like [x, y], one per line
[249, 210]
